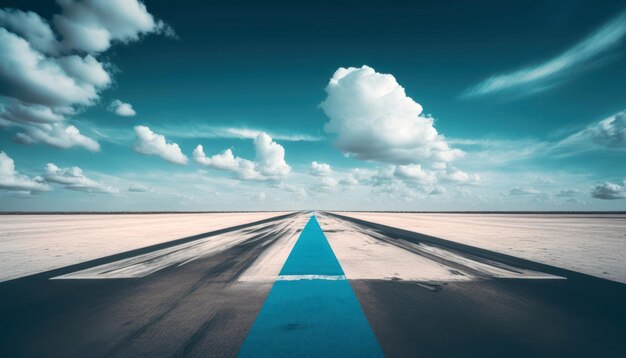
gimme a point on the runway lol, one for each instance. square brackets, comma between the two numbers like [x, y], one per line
[326, 285]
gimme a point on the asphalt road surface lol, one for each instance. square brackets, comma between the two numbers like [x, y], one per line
[189, 298]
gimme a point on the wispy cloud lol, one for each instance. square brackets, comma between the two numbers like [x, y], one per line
[201, 131]
[546, 74]
[497, 151]
[606, 135]
[524, 191]
[609, 133]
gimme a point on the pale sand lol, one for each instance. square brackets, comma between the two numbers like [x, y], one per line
[31, 244]
[590, 244]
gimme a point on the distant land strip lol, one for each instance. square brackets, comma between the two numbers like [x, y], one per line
[269, 211]
[135, 212]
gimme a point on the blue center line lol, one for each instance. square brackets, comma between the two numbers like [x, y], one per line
[312, 254]
[311, 310]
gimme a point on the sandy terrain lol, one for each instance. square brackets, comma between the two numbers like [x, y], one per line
[35, 243]
[590, 244]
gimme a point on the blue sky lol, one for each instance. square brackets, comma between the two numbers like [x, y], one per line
[315, 105]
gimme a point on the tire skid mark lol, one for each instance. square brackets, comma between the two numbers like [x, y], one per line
[459, 262]
[236, 260]
[148, 263]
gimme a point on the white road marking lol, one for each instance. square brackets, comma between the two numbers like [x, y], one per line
[310, 277]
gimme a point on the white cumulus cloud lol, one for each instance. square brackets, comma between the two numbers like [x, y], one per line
[270, 157]
[299, 192]
[374, 119]
[269, 161]
[150, 143]
[457, 176]
[242, 168]
[609, 191]
[122, 109]
[48, 73]
[414, 172]
[415, 177]
[325, 184]
[92, 25]
[73, 179]
[18, 112]
[320, 169]
[11, 179]
[31, 27]
[57, 135]
[59, 83]
[349, 181]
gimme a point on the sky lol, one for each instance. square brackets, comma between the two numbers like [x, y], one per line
[124, 105]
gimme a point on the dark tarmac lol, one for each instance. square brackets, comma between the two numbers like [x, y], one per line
[200, 309]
